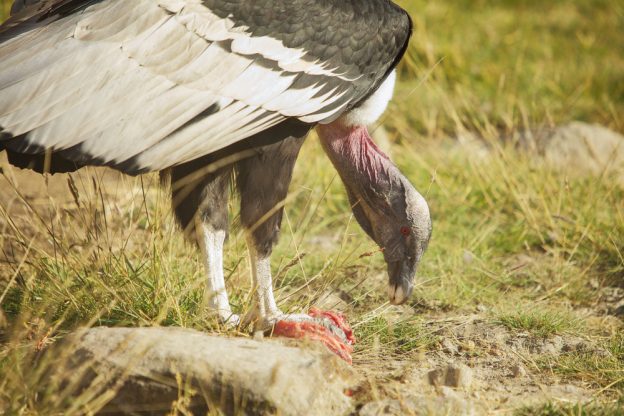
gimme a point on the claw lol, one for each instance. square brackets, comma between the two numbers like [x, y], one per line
[230, 321]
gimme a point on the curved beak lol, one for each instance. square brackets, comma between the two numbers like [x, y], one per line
[401, 281]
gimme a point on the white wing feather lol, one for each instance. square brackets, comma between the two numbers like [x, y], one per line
[127, 79]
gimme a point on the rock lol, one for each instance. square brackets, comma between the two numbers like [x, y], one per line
[382, 408]
[602, 353]
[448, 346]
[145, 368]
[452, 403]
[569, 393]
[472, 145]
[573, 344]
[437, 377]
[468, 257]
[448, 403]
[518, 371]
[454, 375]
[458, 376]
[468, 346]
[575, 147]
[552, 346]
[482, 308]
[583, 148]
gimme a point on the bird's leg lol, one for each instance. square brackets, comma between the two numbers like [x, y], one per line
[211, 223]
[211, 241]
[263, 185]
[265, 312]
[200, 203]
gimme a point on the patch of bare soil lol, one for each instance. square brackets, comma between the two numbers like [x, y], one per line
[47, 212]
[477, 367]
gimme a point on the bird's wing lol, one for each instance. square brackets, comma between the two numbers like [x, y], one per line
[148, 84]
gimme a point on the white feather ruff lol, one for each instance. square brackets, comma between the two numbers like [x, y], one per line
[370, 110]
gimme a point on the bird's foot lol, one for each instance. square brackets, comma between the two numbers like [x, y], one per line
[230, 320]
[225, 317]
[328, 327]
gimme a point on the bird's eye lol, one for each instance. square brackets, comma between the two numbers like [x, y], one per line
[405, 231]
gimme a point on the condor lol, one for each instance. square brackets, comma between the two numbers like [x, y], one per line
[202, 88]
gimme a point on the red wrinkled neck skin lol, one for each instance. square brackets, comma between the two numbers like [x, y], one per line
[351, 147]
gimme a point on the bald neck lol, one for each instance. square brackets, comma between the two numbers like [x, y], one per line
[355, 156]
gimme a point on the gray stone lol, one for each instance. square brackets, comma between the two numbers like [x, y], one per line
[482, 308]
[472, 145]
[382, 408]
[468, 257]
[447, 403]
[146, 368]
[552, 346]
[573, 344]
[448, 346]
[453, 375]
[452, 403]
[579, 148]
[458, 376]
[437, 377]
[518, 371]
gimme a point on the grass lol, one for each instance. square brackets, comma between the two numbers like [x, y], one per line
[404, 336]
[601, 368]
[512, 65]
[552, 409]
[508, 229]
[539, 322]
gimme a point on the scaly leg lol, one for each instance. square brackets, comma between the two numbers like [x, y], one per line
[263, 185]
[265, 311]
[200, 204]
[211, 243]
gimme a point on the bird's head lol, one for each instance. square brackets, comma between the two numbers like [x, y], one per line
[384, 202]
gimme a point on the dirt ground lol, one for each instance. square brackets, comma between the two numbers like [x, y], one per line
[494, 370]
